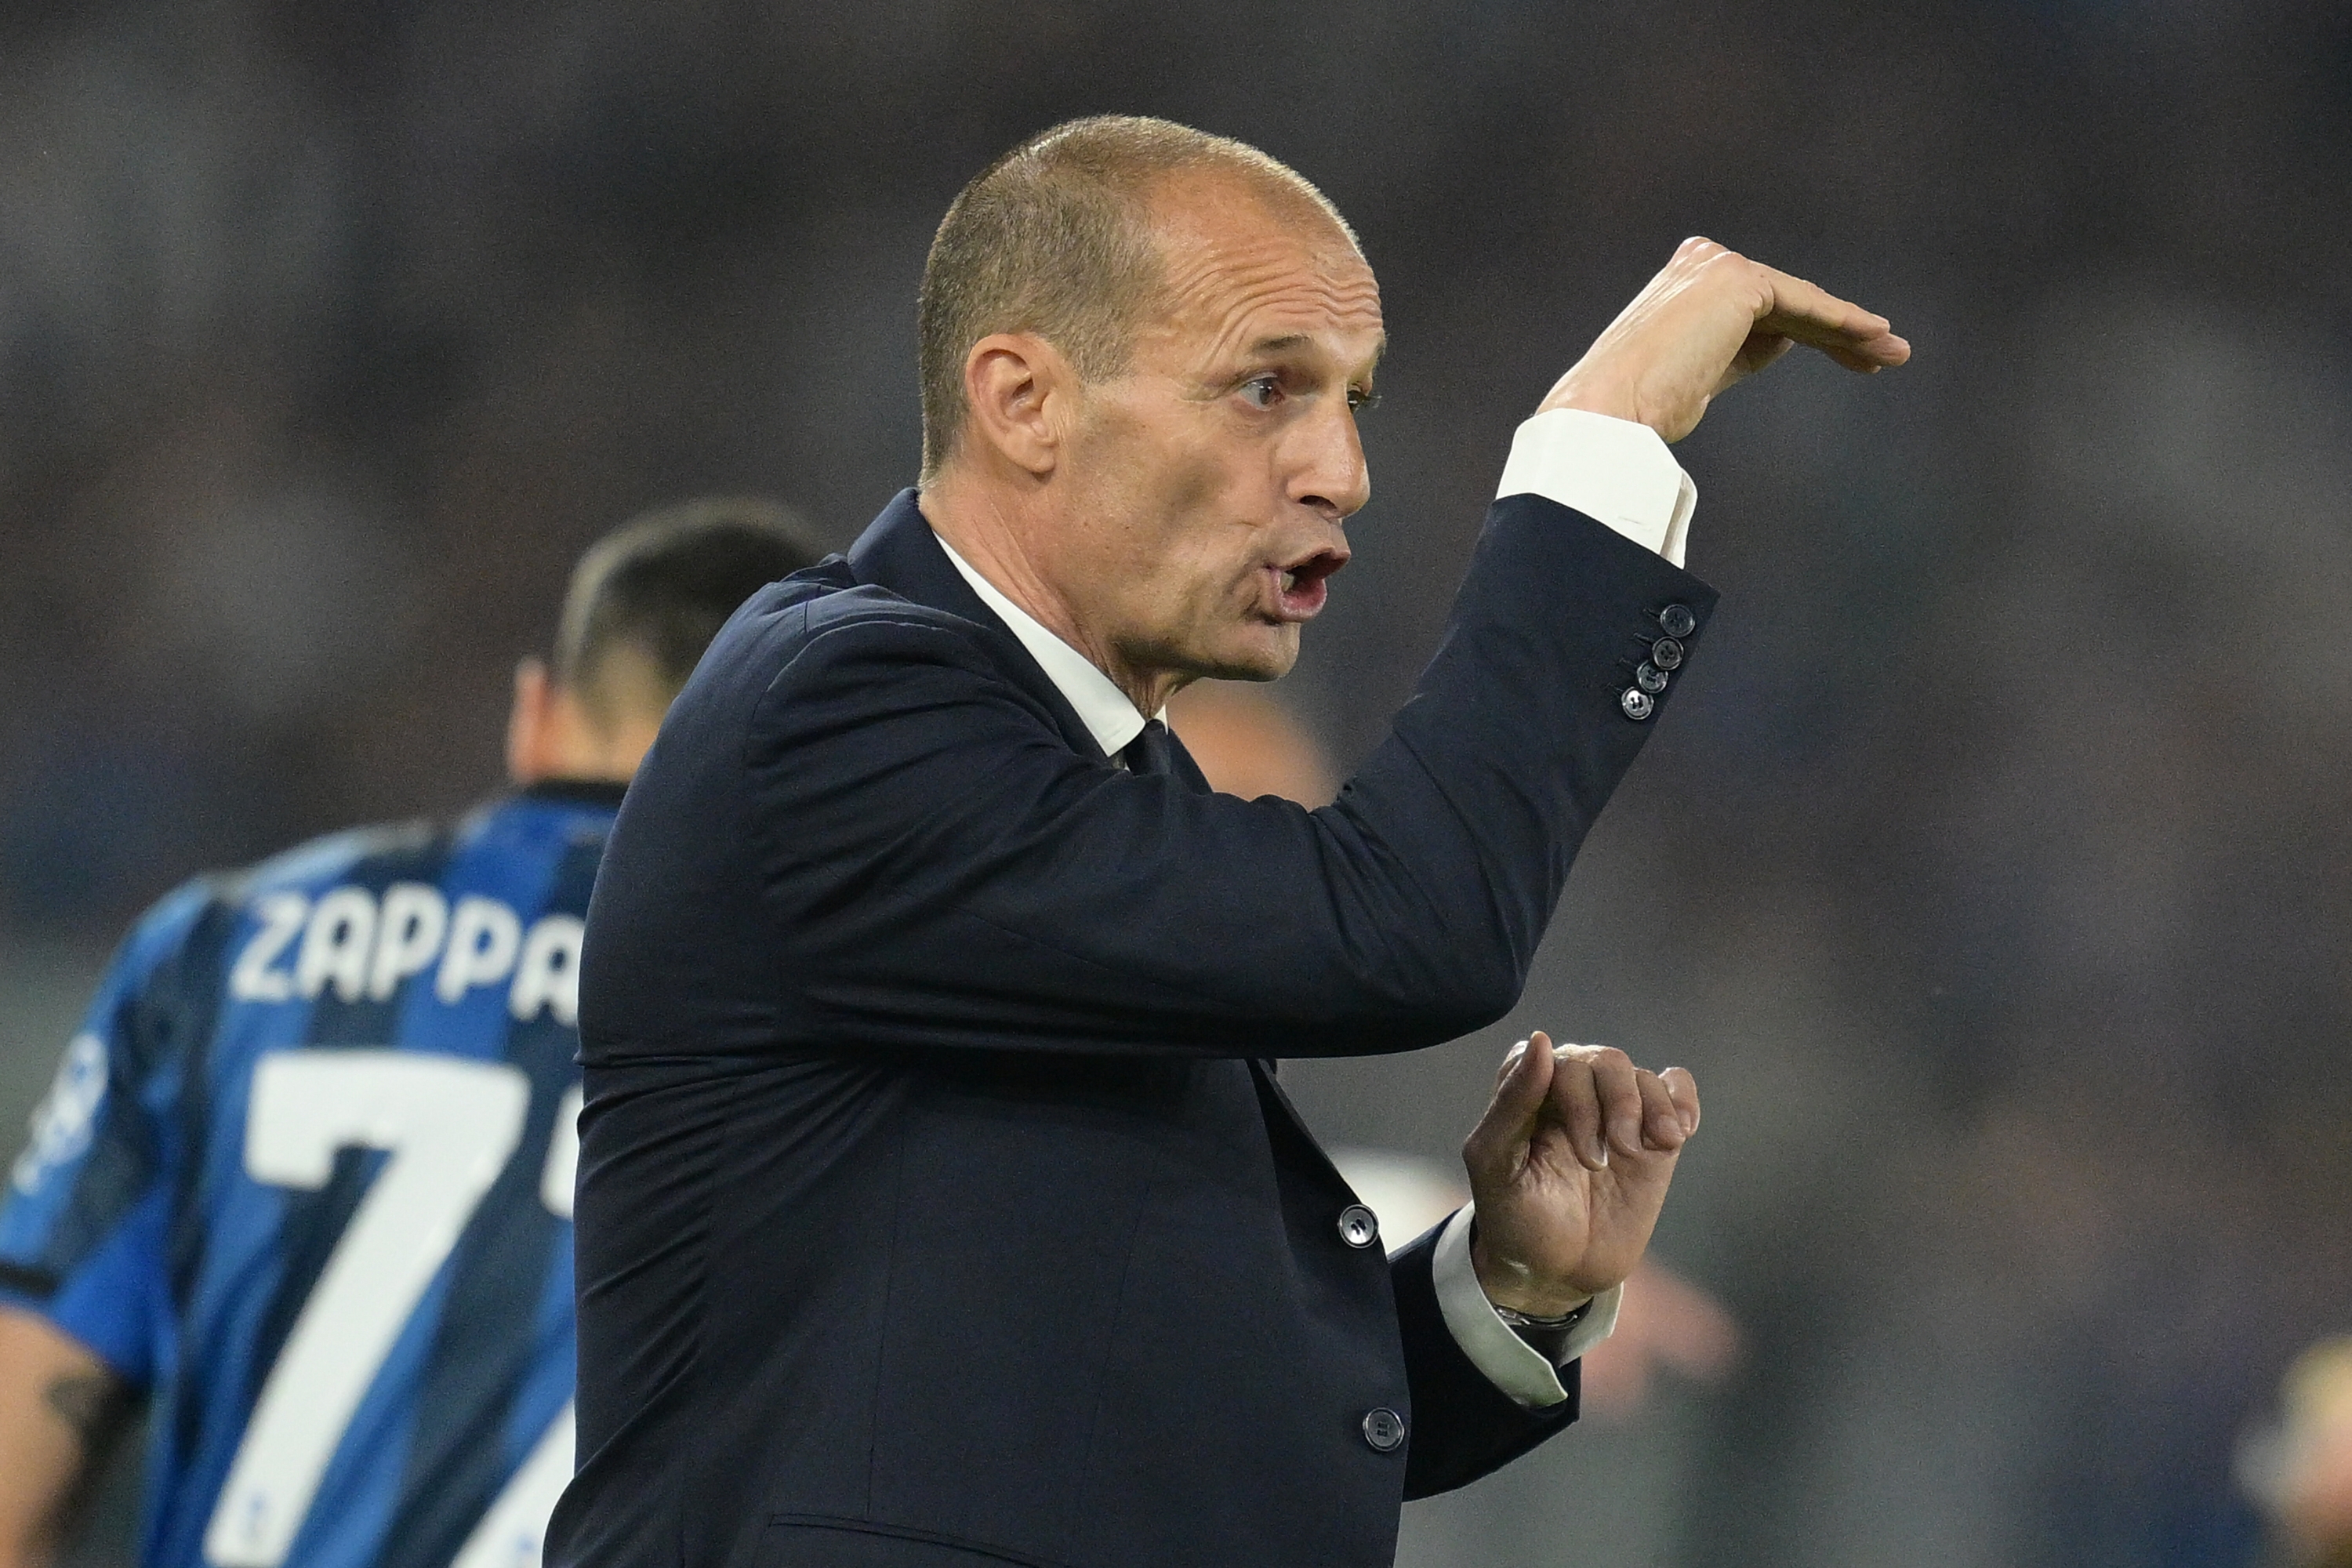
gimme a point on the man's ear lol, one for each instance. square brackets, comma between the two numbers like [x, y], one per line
[1015, 387]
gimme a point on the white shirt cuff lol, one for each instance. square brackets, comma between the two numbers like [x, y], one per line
[1510, 1364]
[1612, 470]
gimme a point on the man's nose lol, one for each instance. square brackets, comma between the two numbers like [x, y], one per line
[1330, 474]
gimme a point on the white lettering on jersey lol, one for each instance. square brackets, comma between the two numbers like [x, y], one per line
[408, 936]
[449, 1126]
[281, 916]
[336, 946]
[64, 1120]
[548, 973]
[365, 948]
[513, 1534]
[483, 936]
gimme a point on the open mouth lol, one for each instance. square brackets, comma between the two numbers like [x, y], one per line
[1301, 588]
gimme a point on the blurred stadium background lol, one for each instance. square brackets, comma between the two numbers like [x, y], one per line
[1992, 873]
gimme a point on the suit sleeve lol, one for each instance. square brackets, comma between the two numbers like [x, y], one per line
[1463, 1426]
[946, 871]
[87, 1205]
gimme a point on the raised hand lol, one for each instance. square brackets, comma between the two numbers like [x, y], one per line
[1712, 318]
[1569, 1168]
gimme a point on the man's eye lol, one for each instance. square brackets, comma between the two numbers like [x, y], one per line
[1361, 399]
[1261, 391]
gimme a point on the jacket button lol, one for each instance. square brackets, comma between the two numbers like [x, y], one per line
[1666, 654]
[1384, 1430]
[1637, 703]
[1649, 678]
[1359, 1226]
[1676, 621]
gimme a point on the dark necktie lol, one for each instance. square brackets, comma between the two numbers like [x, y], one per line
[1152, 751]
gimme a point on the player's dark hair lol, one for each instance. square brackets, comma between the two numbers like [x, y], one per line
[1052, 239]
[657, 588]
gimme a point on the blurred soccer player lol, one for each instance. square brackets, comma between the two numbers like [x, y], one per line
[306, 1174]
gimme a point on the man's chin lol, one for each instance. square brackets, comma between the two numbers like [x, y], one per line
[1266, 656]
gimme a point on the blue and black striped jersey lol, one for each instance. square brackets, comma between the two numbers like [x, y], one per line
[306, 1174]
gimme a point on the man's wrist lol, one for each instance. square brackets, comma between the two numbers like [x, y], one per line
[1529, 1373]
[1530, 1377]
[1586, 396]
[1510, 1287]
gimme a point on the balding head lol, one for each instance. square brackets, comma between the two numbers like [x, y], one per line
[1056, 238]
[1144, 350]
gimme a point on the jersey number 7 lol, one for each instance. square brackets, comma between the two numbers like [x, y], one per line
[447, 1126]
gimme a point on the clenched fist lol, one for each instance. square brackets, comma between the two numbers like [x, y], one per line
[1568, 1169]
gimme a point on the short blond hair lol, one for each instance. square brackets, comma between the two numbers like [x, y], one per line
[1052, 238]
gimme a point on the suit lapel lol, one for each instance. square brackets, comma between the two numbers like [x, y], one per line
[900, 551]
[1265, 1070]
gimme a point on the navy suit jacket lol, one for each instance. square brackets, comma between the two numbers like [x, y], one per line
[938, 1204]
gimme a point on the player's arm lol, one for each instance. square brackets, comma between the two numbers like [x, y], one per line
[59, 1407]
[78, 1263]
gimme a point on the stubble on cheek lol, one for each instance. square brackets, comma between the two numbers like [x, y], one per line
[1184, 570]
[1172, 536]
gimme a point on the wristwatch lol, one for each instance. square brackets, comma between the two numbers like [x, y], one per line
[1547, 1337]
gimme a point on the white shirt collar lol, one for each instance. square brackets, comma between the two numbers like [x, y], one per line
[1102, 707]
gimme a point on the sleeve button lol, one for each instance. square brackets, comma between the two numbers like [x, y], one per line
[1676, 621]
[1649, 678]
[1666, 654]
[1637, 703]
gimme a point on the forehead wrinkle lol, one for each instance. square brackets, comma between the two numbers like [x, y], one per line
[1244, 326]
[1212, 265]
[1276, 299]
[1197, 263]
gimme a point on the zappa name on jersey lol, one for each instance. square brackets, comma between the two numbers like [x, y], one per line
[362, 944]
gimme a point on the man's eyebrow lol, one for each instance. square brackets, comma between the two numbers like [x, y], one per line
[1289, 340]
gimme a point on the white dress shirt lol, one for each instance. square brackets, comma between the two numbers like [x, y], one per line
[1102, 707]
[1609, 469]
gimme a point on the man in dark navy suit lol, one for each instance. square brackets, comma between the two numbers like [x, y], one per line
[939, 1203]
